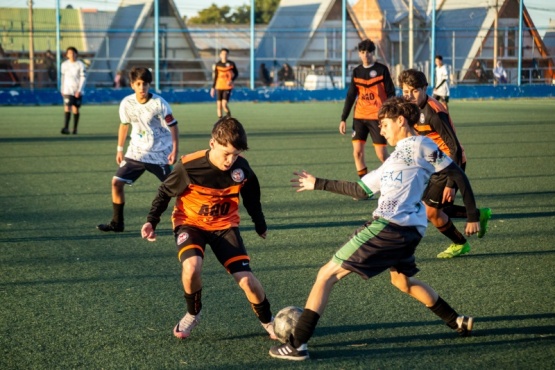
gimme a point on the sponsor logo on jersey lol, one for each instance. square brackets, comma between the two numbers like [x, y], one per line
[238, 175]
[182, 238]
[422, 118]
[373, 74]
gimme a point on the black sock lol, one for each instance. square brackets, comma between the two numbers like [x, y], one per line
[450, 231]
[445, 312]
[454, 211]
[305, 327]
[75, 121]
[194, 302]
[117, 217]
[262, 311]
[67, 116]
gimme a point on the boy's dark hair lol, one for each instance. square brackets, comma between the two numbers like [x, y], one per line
[439, 57]
[228, 130]
[140, 73]
[366, 45]
[413, 78]
[398, 106]
[72, 49]
[224, 49]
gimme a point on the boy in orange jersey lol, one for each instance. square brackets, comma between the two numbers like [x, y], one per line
[439, 196]
[371, 85]
[207, 185]
[224, 74]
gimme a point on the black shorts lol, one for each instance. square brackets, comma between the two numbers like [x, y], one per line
[70, 100]
[361, 128]
[440, 98]
[380, 245]
[223, 94]
[433, 194]
[130, 170]
[227, 246]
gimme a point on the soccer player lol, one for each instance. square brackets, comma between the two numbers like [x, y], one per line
[439, 196]
[389, 239]
[224, 74]
[73, 81]
[441, 89]
[371, 85]
[207, 185]
[153, 146]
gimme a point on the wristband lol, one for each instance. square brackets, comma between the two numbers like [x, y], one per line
[120, 148]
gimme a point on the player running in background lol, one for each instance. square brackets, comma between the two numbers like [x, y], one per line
[370, 86]
[389, 240]
[153, 146]
[441, 89]
[224, 74]
[73, 82]
[207, 185]
[436, 123]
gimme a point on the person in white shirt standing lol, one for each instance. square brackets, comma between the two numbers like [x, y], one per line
[73, 81]
[441, 88]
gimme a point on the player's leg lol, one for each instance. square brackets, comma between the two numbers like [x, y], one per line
[219, 108]
[190, 243]
[76, 115]
[380, 143]
[358, 139]
[67, 114]
[226, 95]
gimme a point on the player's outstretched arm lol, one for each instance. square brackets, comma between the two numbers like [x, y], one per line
[147, 232]
[303, 181]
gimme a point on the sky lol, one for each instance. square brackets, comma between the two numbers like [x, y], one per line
[541, 11]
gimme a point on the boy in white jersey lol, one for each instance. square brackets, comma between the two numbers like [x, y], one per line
[389, 240]
[441, 89]
[153, 146]
[73, 81]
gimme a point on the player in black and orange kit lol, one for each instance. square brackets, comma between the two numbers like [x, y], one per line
[371, 85]
[207, 185]
[224, 74]
[435, 123]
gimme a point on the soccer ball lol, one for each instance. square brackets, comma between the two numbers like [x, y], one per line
[285, 322]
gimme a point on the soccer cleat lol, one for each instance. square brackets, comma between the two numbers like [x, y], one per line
[65, 131]
[464, 325]
[184, 327]
[74, 132]
[112, 226]
[485, 216]
[269, 327]
[455, 250]
[288, 352]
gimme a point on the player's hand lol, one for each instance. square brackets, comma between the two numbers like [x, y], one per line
[342, 127]
[472, 228]
[147, 232]
[448, 195]
[77, 94]
[304, 181]
[119, 157]
[172, 158]
[212, 92]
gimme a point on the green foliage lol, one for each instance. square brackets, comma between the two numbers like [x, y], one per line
[75, 298]
[264, 11]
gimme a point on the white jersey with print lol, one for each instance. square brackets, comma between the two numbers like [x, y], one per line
[73, 77]
[151, 139]
[442, 73]
[402, 179]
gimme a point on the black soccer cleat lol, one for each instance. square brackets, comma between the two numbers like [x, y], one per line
[288, 352]
[65, 131]
[464, 325]
[112, 226]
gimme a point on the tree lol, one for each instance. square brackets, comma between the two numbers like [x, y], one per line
[263, 12]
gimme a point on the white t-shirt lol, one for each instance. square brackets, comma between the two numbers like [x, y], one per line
[151, 139]
[442, 73]
[73, 77]
[402, 179]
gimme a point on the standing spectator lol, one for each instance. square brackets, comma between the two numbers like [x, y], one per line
[119, 80]
[480, 73]
[224, 74]
[73, 82]
[50, 64]
[441, 89]
[286, 74]
[499, 73]
[264, 75]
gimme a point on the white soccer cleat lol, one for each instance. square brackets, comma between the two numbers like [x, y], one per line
[184, 327]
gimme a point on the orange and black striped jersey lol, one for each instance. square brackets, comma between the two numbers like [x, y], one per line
[207, 197]
[436, 124]
[224, 75]
[370, 87]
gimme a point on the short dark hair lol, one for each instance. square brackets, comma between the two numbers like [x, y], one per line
[439, 57]
[413, 78]
[228, 130]
[398, 106]
[366, 45]
[72, 49]
[224, 49]
[140, 73]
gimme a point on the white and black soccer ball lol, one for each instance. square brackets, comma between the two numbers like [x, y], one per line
[285, 321]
